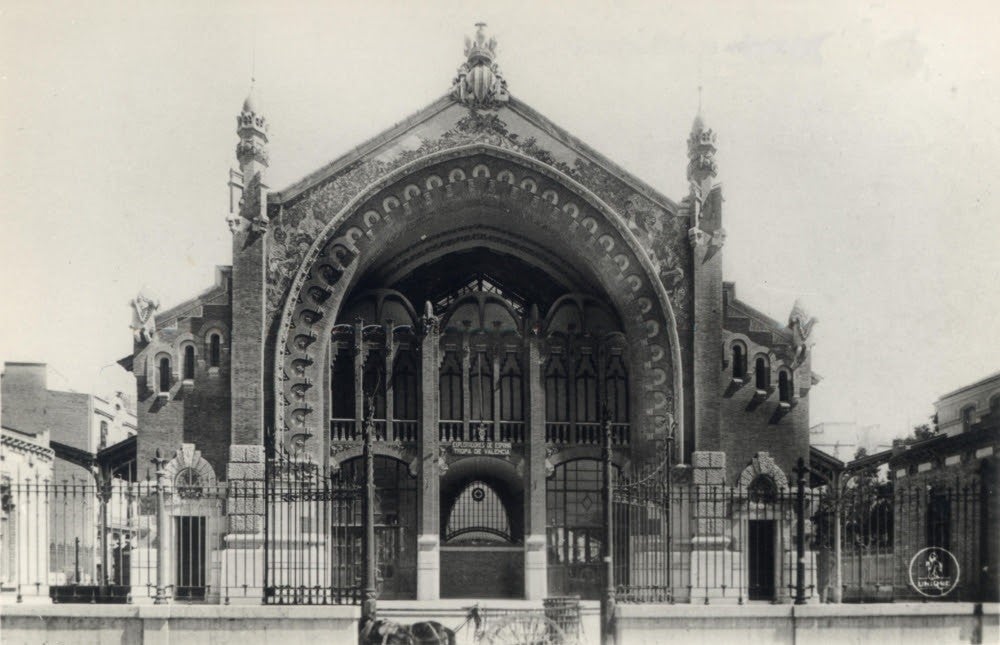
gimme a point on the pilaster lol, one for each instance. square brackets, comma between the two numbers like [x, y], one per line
[428, 476]
[535, 562]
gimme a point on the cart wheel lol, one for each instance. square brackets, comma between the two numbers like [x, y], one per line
[532, 629]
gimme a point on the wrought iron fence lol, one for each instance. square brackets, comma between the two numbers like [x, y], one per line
[297, 538]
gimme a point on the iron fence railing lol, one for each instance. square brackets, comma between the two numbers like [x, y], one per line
[297, 538]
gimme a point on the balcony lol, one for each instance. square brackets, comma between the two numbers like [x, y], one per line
[485, 431]
[563, 433]
[399, 430]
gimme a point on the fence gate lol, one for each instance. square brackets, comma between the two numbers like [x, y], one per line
[312, 534]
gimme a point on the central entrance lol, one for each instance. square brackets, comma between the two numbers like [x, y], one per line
[482, 530]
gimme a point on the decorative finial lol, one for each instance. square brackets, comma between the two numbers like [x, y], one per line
[701, 148]
[479, 82]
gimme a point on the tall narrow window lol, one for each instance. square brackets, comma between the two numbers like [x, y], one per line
[616, 390]
[164, 375]
[214, 350]
[586, 390]
[189, 363]
[784, 387]
[342, 386]
[450, 386]
[511, 389]
[481, 386]
[968, 417]
[995, 405]
[103, 442]
[939, 519]
[374, 383]
[739, 361]
[556, 396]
[404, 387]
[762, 375]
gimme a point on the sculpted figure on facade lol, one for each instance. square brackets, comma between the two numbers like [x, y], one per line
[801, 324]
[144, 317]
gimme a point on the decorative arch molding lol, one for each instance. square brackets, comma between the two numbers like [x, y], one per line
[190, 457]
[344, 453]
[555, 457]
[763, 464]
[587, 229]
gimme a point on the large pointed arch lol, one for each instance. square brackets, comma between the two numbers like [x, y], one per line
[508, 190]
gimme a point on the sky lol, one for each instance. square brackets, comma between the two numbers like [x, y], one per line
[859, 152]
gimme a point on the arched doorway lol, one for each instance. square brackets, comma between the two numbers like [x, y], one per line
[395, 528]
[482, 530]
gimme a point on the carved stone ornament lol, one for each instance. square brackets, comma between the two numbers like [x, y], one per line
[801, 324]
[763, 464]
[144, 317]
[479, 82]
[697, 237]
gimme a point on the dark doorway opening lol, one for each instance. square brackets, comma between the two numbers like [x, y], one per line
[189, 542]
[760, 544]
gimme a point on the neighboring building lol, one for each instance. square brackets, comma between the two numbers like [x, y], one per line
[78, 426]
[842, 439]
[958, 411]
[936, 492]
[491, 288]
[25, 471]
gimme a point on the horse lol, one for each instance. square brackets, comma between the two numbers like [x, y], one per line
[379, 631]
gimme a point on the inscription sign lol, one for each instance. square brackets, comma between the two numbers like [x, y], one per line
[493, 449]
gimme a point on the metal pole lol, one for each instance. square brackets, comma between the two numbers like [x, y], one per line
[838, 555]
[104, 488]
[162, 530]
[800, 534]
[608, 601]
[368, 603]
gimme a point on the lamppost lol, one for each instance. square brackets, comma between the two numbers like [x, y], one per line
[607, 489]
[368, 594]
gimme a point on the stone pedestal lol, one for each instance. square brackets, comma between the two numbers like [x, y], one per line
[536, 580]
[428, 567]
[242, 561]
[717, 566]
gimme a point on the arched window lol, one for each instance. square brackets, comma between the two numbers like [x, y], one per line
[616, 389]
[739, 361]
[481, 386]
[342, 385]
[784, 386]
[968, 417]
[450, 386]
[478, 515]
[511, 392]
[404, 387]
[164, 375]
[556, 395]
[763, 490]
[762, 374]
[189, 363]
[214, 350]
[586, 390]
